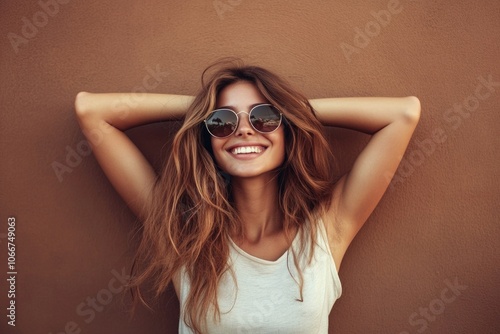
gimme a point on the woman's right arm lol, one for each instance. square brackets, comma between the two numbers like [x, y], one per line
[103, 119]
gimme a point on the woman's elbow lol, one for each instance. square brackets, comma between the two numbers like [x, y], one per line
[86, 112]
[82, 108]
[412, 109]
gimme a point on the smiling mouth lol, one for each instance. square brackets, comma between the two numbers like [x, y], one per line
[247, 149]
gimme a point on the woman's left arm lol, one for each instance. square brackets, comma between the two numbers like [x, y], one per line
[391, 122]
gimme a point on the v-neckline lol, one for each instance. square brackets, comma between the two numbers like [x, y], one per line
[260, 260]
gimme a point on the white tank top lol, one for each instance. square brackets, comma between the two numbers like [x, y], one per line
[265, 300]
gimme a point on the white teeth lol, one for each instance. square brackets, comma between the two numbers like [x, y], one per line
[246, 149]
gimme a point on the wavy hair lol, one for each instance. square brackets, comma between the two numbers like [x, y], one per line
[191, 215]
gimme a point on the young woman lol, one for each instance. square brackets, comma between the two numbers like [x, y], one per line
[247, 219]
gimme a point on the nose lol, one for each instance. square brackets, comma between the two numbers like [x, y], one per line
[244, 126]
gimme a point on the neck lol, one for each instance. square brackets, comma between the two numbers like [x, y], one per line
[256, 200]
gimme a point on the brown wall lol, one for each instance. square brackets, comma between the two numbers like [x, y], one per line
[436, 227]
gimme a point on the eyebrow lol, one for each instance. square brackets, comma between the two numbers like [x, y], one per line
[250, 107]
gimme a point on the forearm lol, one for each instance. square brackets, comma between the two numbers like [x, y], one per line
[126, 110]
[365, 114]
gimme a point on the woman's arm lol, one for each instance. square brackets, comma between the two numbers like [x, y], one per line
[104, 117]
[391, 122]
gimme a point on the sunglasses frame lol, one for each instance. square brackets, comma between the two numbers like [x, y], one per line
[237, 114]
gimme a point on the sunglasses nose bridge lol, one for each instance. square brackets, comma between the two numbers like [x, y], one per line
[244, 123]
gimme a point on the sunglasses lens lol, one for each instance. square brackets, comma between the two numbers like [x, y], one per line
[265, 118]
[221, 123]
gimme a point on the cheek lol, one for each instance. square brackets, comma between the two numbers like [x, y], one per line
[216, 149]
[279, 144]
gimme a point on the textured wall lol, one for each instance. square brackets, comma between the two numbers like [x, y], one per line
[427, 260]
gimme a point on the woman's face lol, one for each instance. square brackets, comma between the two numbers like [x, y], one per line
[267, 151]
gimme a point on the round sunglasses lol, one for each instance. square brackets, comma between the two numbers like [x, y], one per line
[264, 118]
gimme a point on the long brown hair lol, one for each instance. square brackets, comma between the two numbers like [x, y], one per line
[191, 216]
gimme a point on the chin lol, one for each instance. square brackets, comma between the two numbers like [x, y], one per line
[244, 173]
